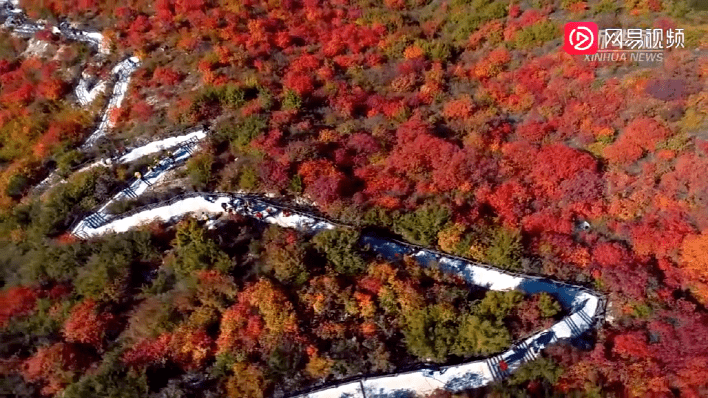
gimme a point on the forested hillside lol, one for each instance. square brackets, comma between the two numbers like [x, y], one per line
[456, 124]
[266, 311]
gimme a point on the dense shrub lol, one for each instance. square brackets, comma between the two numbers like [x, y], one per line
[422, 226]
[504, 249]
[195, 251]
[341, 249]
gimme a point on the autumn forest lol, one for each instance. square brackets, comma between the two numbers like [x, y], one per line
[459, 125]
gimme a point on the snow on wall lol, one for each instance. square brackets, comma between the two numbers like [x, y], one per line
[101, 222]
[50, 180]
[123, 71]
[87, 226]
[157, 146]
[351, 389]
[246, 205]
[473, 374]
[420, 382]
[86, 96]
[489, 278]
[97, 163]
[188, 143]
[15, 19]
[584, 306]
[163, 213]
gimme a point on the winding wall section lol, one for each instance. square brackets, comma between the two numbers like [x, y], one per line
[586, 307]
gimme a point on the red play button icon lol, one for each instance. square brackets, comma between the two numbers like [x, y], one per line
[580, 38]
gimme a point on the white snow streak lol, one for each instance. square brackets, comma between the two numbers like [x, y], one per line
[123, 71]
[86, 96]
[351, 389]
[157, 146]
[164, 213]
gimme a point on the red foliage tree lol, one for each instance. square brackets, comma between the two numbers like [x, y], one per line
[418, 152]
[148, 351]
[274, 175]
[51, 88]
[458, 109]
[394, 108]
[86, 325]
[558, 164]
[631, 344]
[688, 180]
[533, 131]
[17, 301]
[301, 83]
[50, 365]
[305, 63]
[191, 348]
[547, 220]
[492, 64]
[484, 32]
[509, 200]
[515, 158]
[21, 96]
[165, 10]
[660, 233]
[641, 135]
[141, 110]
[384, 186]
[610, 254]
[326, 189]
[261, 318]
[165, 76]
[137, 32]
[694, 255]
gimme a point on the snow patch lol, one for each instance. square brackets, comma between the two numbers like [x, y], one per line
[157, 146]
[164, 213]
[123, 71]
[352, 389]
[86, 96]
[36, 47]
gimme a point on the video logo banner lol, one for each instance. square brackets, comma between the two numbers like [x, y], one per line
[581, 38]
